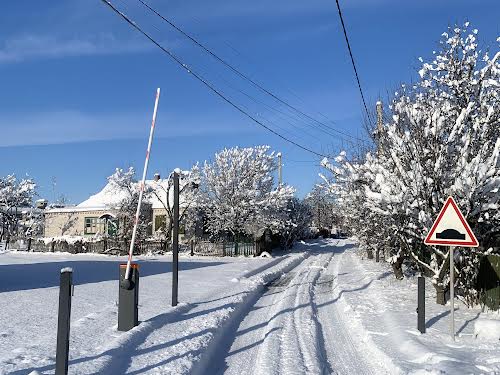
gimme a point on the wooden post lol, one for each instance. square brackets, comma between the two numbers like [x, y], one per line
[280, 171]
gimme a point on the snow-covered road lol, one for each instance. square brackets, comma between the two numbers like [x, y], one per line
[320, 309]
[294, 326]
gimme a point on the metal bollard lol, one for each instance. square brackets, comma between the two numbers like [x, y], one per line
[128, 298]
[421, 305]
[63, 321]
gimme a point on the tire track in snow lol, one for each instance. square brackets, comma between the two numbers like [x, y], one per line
[343, 353]
[292, 342]
[161, 347]
[213, 359]
[348, 351]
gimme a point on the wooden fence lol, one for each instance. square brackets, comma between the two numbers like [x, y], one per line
[104, 246]
[117, 247]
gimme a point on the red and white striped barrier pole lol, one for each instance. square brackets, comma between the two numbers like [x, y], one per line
[143, 182]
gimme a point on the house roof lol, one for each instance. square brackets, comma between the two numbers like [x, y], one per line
[110, 197]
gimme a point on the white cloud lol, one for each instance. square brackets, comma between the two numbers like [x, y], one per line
[31, 46]
[61, 127]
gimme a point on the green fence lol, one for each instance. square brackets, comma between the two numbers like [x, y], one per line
[224, 249]
[489, 281]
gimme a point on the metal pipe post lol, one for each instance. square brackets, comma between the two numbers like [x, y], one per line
[421, 304]
[175, 241]
[452, 292]
[63, 321]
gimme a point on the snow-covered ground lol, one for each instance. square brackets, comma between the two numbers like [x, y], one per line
[320, 309]
[382, 316]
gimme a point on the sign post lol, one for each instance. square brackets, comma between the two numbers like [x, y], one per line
[451, 229]
[452, 292]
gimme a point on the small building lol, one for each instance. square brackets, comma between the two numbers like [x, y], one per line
[97, 215]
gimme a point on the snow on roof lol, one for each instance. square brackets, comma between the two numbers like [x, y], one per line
[111, 196]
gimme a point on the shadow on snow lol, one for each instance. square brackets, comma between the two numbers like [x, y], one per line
[14, 277]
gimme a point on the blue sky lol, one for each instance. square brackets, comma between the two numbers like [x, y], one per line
[78, 84]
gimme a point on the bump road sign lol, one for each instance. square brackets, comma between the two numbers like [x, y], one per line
[451, 228]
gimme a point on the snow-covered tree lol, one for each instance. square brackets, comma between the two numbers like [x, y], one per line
[189, 197]
[293, 222]
[443, 140]
[325, 214]
[239, 193]
[15, 196]
[128, 189]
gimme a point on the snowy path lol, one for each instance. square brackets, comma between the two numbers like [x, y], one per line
[172, 342]
[347, 354]
[295, 326]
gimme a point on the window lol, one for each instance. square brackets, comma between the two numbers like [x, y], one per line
[112, 227]
[160, 222]
[93, 225]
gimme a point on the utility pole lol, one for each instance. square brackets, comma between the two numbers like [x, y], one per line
[379, 150]
[280, 172]
[379, 123]
[175, 240]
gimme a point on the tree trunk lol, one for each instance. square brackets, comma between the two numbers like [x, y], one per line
[440, 294]
[369, 253]
[397, 267]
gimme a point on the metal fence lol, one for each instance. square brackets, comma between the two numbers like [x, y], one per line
[222, 249]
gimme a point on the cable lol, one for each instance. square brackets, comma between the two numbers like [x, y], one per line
[244, 76]
[205, 82]
[352, 60]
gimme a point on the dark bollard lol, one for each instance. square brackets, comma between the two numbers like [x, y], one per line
[192, 247]
[128, 298]
[63, 321]
[421, 304]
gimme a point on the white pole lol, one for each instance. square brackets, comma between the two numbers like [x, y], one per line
[452, 293]
[141, 192]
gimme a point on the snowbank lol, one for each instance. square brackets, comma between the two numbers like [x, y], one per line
[487, 329]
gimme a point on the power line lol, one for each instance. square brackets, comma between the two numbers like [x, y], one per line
[352, 60]
[246, 77]
[205, 82]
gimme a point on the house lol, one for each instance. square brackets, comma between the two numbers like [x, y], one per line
[98, 214]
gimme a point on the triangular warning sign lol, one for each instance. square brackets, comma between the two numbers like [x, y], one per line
[450, 228]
